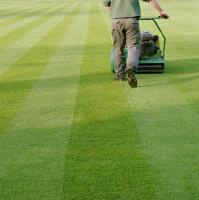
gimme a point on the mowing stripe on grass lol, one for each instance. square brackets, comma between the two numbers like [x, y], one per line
[14, 11]
[42, 126]
[183, 73]
[19, 18]
[9, 8]
[21, 23]
[5, 6]
[21, 31]
[103, 160]
[28, 14]
[165, 108]
[30, 66]
[168, 128]
[15, 51]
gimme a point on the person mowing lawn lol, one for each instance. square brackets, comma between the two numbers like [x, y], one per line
[125, 16]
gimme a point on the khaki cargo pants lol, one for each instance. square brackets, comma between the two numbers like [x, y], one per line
[126, 33]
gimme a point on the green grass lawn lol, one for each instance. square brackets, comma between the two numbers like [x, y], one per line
[69, 132]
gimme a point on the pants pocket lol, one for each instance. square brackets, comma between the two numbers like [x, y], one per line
[118, 34]
[133, 35]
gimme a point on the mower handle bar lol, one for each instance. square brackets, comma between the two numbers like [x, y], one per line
[158, 27]
[151, 18]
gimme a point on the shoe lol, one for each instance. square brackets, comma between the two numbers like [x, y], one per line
[131, 78]
[116, 78]
[119, 79]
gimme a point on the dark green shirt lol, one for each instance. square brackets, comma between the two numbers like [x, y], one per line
[124, 8]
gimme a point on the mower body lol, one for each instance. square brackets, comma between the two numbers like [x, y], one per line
[151, 56]
[156, 64]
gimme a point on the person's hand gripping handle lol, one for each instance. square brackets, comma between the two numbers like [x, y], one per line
[157, 6]
[163, 14]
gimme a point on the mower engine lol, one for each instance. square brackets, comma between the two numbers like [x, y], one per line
[148, 46]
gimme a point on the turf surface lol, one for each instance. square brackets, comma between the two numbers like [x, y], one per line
[68, 131]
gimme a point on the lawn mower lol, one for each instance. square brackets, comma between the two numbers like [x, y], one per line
[151, 55]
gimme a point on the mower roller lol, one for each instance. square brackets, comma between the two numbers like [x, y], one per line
[151, 55]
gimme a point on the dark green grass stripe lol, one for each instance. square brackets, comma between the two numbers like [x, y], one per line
[21, 31]
[29, 67]
[103, 158]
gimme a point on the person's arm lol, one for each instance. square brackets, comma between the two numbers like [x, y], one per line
[107, 4]
[157, 6]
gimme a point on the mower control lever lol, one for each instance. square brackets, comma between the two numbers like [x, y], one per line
[152, 18]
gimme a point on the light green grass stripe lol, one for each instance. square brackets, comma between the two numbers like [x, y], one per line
[13, 87]
[22, 31]
[187, 83]
[182, 69]
[169, 131]
[166, 109]
[20, 23]
[103, 159]
[16, 50]
[42, 126]
[182, 50]
[21, 16]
